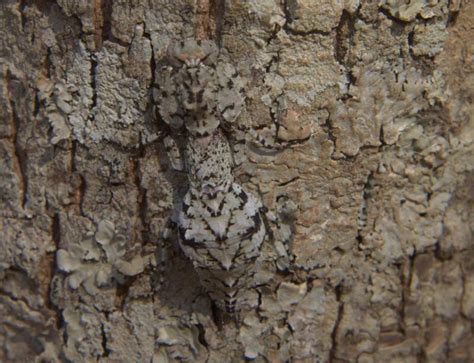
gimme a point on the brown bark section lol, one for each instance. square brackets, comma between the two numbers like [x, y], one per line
[209, 17]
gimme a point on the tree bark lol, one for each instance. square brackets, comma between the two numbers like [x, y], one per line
[368, 106]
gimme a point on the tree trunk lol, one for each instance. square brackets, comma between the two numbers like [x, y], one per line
[369, 174]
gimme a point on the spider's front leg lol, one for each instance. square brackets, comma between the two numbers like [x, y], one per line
[280, 234]
[168, 236]
[165, 243]
[174, 153]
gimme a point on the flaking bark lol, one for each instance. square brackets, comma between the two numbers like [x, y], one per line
[358, 129]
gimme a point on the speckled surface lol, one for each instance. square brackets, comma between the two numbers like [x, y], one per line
[358, 134]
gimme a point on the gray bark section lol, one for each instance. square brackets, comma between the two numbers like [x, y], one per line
[370, 107]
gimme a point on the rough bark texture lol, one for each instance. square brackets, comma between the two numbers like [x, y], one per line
[370, 103]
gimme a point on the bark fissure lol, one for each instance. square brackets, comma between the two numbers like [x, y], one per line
[105, 349]
[103, 19]
[340, 311]
[20, 155]
[363, 208]
[93, 83]
[141, 196]
[56, 236]
[209, 19]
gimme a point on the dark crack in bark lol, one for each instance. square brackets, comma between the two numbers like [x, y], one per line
[340, 311]
[105, 349]
[20, 155]
[93, 80]
[142, 195]
[344, 41]
[56, 236]
[406, 275]
[362, 215]
[209, 19]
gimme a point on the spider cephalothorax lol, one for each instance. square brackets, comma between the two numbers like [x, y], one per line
[197, 92]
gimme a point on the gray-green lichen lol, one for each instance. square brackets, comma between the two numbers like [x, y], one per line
[408, 11]
[383, 103]
[99, 260]
[56, 99]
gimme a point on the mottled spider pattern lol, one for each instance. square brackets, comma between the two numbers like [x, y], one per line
[222, 235]
[197, 92]
[219, 223]
[209, 163]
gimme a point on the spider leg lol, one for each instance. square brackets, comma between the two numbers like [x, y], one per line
[174, 153]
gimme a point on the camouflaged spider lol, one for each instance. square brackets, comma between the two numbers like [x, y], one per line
[220, 225]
